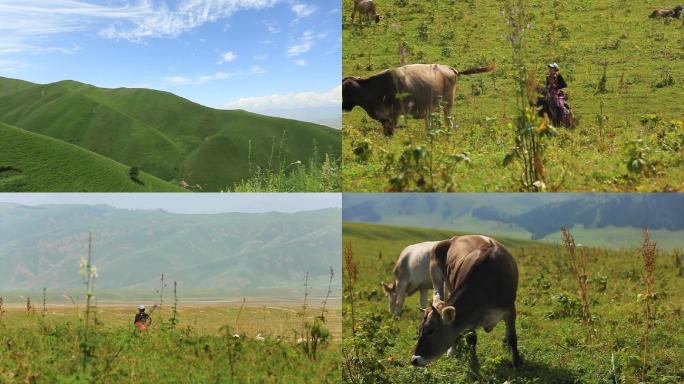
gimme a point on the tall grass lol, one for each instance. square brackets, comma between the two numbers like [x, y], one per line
[44, 301]
[2, 310]
[530, 130]
[648, 253]
[578, 264]
[352, 269]
[88, 274]
[174, 309]
[281, 175]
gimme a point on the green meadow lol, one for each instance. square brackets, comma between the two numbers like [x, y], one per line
[624, 86]
[208, 343]
[171, 138]
[555, 344]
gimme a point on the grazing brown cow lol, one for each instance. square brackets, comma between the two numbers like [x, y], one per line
[675, 12]
[483, 279]
[411, 89]
[366, 9]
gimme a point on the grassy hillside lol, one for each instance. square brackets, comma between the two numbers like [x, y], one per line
[551, 337]
[163, 134]
[636, 114]
[30, 162]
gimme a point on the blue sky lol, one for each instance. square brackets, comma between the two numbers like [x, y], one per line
[187, 202]
[277, 57]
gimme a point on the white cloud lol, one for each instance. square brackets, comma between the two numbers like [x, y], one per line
[257, 70]
[272, 28]
[303, 10]
[178, 80]
[260, 57]
[26, 23]
[11, 66]
[227, 57]
[189, 14]
[311, 99]
[201, 79]
[302, 45]
[301, 63]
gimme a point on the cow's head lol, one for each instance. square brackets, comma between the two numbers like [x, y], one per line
[436, 334]
[391, 293]
[351, 90]
[678, 11]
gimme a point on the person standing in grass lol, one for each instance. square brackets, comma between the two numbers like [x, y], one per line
[142, 319]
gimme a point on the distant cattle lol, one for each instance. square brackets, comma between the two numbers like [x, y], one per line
[483, 279]
[676, 12]
[366, 10]
[414, 89]
[411, 274]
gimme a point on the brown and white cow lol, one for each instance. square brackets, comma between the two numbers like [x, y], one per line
[413, 89]
[411, 274]
[483, 278]
[676, 12]
[366, 9]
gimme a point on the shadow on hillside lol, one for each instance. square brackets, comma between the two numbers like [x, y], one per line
[533, 370]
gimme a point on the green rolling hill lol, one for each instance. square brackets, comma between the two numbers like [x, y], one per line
[162, 134]
[30, 162]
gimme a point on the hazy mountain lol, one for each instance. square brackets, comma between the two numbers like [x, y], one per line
[601, 219]
[42, 247]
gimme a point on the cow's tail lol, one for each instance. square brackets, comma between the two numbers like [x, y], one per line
[475, 70]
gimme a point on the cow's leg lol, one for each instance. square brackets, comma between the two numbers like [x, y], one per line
[512, 337]
[471, 339]
[423, 298]
[386, 130]
[448, 118]
[392, 125]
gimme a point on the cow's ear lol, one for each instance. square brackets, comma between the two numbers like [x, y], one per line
[422, 310]
[387, 288]
[448, 315]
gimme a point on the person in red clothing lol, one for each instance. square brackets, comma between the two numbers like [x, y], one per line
[142, 320]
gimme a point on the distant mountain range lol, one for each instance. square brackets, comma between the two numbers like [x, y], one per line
[239, 252]
[597, 219]
[165, 136]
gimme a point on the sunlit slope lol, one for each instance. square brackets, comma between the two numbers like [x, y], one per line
[166, 135]
[30, 162]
